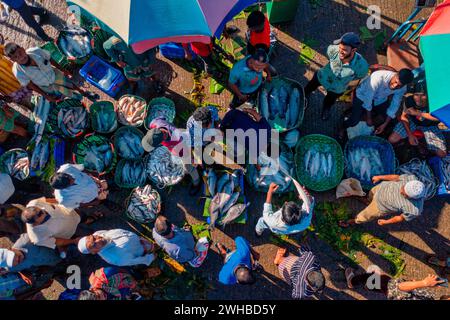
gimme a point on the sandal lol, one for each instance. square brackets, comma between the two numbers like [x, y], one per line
[281, 253]
[349, 274]
[435, 261]
[94, 217]
[221, 248]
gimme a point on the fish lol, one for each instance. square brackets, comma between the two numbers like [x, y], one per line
[423, 173]
[144, 205]
[233, 199]
[307, 159]
[18, 164]
[234, 213]
[133, 173]
[264, 104]
[212, 182]
[44, 154]
[294, 108]
[283, 101]
[129, 145]
[72, 121]
[217, 203]
[329, 164]
[163, 168]
[274, 104]
[323, 164]
[316, 164]
[74, 42]
[222, 181]
[131, 111]
[365, 169]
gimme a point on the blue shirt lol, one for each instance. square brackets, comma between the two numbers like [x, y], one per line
[241, 256]
[247, 80]
[15, 4]
[190, 125]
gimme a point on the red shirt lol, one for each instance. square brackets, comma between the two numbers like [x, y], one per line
[202, 49]
[262, 37]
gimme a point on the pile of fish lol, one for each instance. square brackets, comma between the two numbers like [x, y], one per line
[105, 121]
[144, 205]
[164, 168]
[318, 165]
[72, 121]
[131, 110]
[161, 110]
[40, 114]
[40, 155]
[365, 163]
[225, 193]
[129, 145]
[17, 164]
[272, 171]
[98, 158]
[445, 167]
[422, 172]
[132, 173]
[74, 42]
[283, 103]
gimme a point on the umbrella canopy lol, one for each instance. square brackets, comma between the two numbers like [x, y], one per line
[435, 46]
[144, 24]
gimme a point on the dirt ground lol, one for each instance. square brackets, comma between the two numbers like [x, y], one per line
[426, 235]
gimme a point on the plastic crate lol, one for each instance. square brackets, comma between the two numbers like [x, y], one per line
[95, 69]
[172, 50]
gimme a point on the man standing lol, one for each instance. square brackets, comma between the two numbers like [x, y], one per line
[380, 93]
[401, 196]
[27, 13]
[345, 66]
[258, 34]
[118, 247]
[35, 69]
[246, 77]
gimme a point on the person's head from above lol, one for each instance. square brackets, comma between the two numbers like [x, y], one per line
[92, 294]
[413, 190]
[244, 275]
[204, 116]
[16, 53]
[163, 227]
[401, 78]
[258, 60]
[420, 100]
[13, 257]
[61, 181]
[34, 216]
[154, 138]
[92, 244]
[255, 21]
[315, 281]
[348, 45]
[291, 212]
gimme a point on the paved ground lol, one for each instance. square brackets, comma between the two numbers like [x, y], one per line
[428, 234]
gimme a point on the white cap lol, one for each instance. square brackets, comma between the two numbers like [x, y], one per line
[82, 246]
[415, 189]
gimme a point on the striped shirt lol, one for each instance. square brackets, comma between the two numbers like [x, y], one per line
[305, 263]
[390, 200]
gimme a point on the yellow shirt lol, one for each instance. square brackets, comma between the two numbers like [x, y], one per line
[8, 82]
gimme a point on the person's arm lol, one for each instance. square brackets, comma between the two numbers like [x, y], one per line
[93, 203]
[146, 259]
[51, 200]
[405, 122]
[59, 242]
[429, 281]
[388, 177]
[268, 73]
[58, 66]
[393, 220]
[237, 92]
[255, 255]
[272, 188]
[383, 126]
[35, 88]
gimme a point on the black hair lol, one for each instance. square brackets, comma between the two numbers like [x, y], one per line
[202, 115]
[60, 180]
[255, 19]
[163, 226]
[405, 76]
[244, 275]
[87, 295]
[316, 280]
[291, 212]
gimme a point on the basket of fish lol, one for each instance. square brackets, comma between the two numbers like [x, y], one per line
[40, 156]
[143, 205]
[96, 153]
[75, 43]
[127, 141]
[319, 162]
[16, 163]
[131, 110]
[130, 174]
[68, 118]
[282, 102]
[163, 168]
[422, 171]
[368, 156]
[161, 107]
[103, 117]
[279, 170]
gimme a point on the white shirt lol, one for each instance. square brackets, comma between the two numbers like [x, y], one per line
[375, 90]
[42, 75]
[124, 248]
[84, 190]
[275, 223]
[6, 187]
[62, 224]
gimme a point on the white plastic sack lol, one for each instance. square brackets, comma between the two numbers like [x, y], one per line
[349, 187]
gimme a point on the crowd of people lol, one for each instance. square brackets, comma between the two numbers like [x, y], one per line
[47, 228]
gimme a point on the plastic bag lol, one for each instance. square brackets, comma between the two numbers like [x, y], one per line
[349, 187]
[361, 129]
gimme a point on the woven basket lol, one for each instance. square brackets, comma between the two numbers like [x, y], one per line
[121, 117]
[6, 155]
[118, 134]
[277, 82]
[79, 151]
[52, 119]
[385, 150]
[151, 216]
[118, 175]
[152, 112]
[95, 108]
[324, 144]
[77, 61]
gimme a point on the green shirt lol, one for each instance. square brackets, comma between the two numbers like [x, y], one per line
[336, 76]
[119, 51]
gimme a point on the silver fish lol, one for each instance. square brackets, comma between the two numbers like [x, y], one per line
[264, 104]
[274, 104]
[217, 203]
[222, 181]
[234, 213]
[294, 107]
[283, 101]
[212, 181]
[233, 199]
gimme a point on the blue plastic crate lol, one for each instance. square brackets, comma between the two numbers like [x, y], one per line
[96, 69]
[172, 50]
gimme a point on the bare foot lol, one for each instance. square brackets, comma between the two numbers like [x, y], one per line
[281, 253]
[349, 274]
